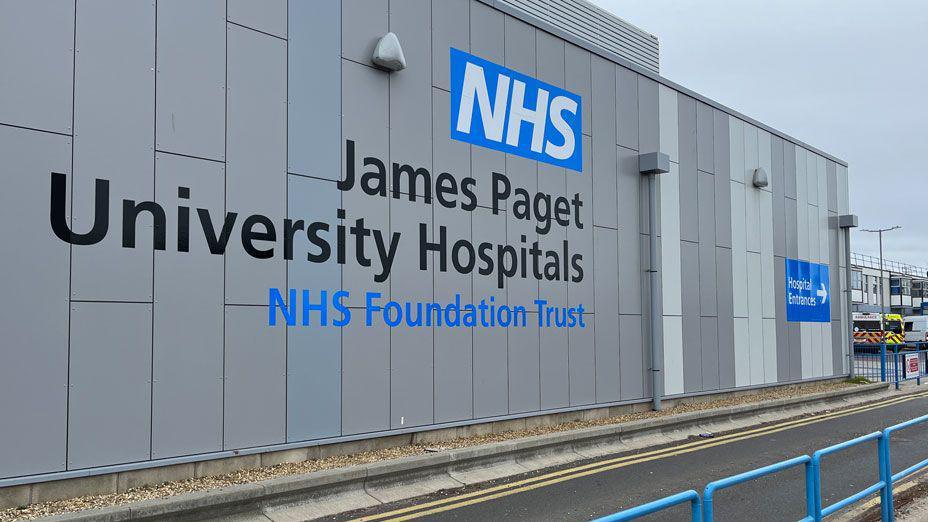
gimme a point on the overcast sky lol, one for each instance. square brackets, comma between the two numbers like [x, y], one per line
[847, 76]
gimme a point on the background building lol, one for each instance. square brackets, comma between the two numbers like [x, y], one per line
[117, 358]
[905, 286]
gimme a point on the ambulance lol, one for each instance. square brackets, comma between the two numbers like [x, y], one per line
[874, 328]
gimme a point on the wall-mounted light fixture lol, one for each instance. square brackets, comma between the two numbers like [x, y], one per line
[760, 178]
[388, 54]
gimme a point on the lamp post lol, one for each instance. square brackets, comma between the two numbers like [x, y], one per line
[879, 231]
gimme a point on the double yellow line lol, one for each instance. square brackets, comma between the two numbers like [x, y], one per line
[503, 490]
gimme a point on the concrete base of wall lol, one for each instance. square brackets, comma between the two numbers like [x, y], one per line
[119, 482]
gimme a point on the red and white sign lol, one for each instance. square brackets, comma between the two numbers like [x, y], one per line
[911, 364]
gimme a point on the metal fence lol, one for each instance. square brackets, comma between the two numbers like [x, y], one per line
[878, 362]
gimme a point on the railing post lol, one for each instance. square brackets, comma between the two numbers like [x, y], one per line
[882, 362]
[896, 366]
[814, 490]
[886, 476]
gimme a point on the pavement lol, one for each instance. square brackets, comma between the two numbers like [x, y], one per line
[597, 487]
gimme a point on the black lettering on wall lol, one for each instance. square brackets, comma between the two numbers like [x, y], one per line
[58, 216]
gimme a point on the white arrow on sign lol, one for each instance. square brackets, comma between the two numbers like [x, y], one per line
[822, 293]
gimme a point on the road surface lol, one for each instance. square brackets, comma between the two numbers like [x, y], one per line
[594, 488]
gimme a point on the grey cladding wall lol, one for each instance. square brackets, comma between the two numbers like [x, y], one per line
[144, 354]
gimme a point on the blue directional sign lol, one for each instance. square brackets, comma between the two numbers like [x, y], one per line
[808, 292]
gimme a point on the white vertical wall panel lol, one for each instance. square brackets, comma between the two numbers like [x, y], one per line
[37, 60]
[755, 317]
[606, 274]
[742, 352]
[256, 163]
[751, 193]
[605, 208]
[524, 369]
[581, 240]
[751, 157]
[673, 355]
[843, 205]
[736, 149]
[34, 323]
[582, 362]
[669, 139]
[770, 350]
[191, 78]
[491, 347]
[188, 329]
[450, 28]
[766, 254]
[764, 157]
[109, 412]
[739, 251]
[363, 23]
[802, 202]
[114, 108]
[255, 412]
[670, 241]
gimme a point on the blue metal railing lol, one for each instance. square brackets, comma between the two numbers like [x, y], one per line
[888, 362]
[813, 479]
[819, 512]
[712, 487]
[658, 505]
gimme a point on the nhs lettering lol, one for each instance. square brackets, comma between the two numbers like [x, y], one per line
[502, 109]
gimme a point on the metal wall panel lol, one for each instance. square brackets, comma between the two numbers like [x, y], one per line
[410, 92]
[692, 351]
[670, 241]
[363, 23]
[605, 212]
[411, 376]
[37, 65]
[770, 350]
[632, 362]
[366, 122]
[705, 137]
[689, 215]
[521, 290]
[668, 131]
[843, 205]
[673, 355]
[628, 180]
[783, 348]
[256, 166]
[191, 78]
[766, 250]
[708, 299]
[114, 107]
[726, 324]
[454, 348]
[582, 362]
[581, 240]
[450, 28]
[314, 74]
[722, 177]
[35, 345]
[578, 79]
[524, 370]
[606, 294]
[626, 100]
[789, 169]
[779, 204]
[554, 368]
[109, 412]
[742, 343]
[739, 251]
[365, 375]
[649, 139]
[736, 149]
[491, 347]
[710, 359]
[411, 351]
[268, 16]
[755, 318]
[314, 366]
[255, 412]
[186, 404]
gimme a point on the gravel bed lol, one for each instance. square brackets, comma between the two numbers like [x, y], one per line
[168, 489]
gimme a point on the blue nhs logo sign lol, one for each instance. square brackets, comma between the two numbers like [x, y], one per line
[501, 109]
